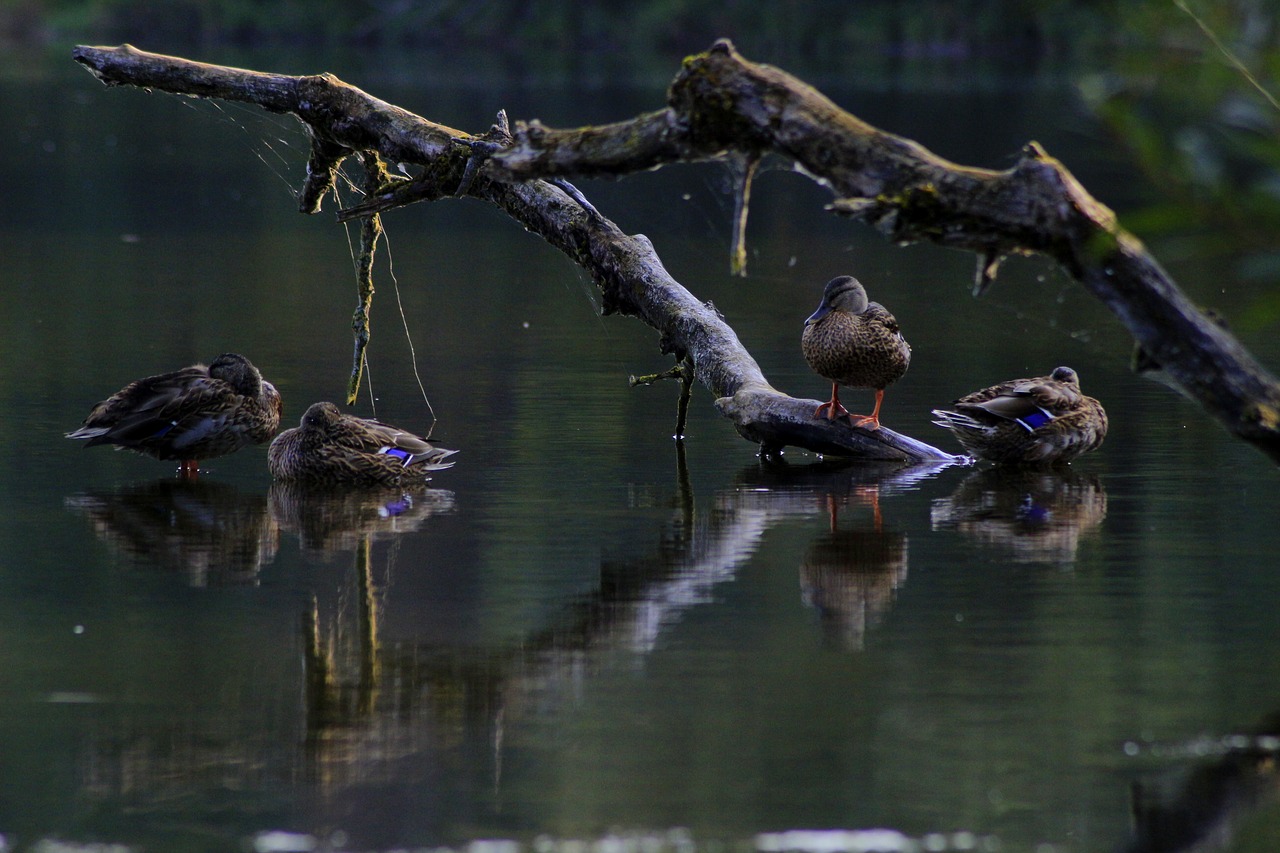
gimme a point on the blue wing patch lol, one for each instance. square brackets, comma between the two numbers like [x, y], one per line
[403, 455]
[1035, 420]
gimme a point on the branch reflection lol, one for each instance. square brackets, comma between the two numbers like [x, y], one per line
[1204, 805]
[211, 533]
[369, 702]
[379, 701]
[1034, 516]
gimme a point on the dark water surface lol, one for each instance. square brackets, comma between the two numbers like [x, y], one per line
[584, 628]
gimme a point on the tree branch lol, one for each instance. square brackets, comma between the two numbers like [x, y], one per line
[722, 104]
[342, 119]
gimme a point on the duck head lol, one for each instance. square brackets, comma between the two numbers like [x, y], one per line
[320, 416]
[843, 293]
[237, 371]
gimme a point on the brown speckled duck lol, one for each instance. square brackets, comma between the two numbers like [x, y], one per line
[1042, 421]
[334, 449]
[188, 415]
[856, 343]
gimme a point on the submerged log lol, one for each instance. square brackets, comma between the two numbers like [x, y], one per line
[722, 105]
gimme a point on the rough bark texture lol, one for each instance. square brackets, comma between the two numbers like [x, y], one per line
[722, 104]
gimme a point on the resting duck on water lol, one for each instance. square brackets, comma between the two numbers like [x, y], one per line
[329, 448]
[196, 413]
[1045, 420]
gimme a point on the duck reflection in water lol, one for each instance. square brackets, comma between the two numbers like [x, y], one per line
[851, 573]
[850, 578]
[345, 659]
[330, 520]
[1034, 515]
[374, 699]
[212, 533]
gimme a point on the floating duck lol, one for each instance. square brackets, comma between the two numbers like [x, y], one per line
[331, 448]
[1040, 421]
[188, 415]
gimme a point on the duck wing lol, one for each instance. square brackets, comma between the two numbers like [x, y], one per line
[1031, 403]
[372, 436]
[151, 408]
[877, 313]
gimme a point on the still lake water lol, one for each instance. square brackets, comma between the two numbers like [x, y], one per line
[584, 628]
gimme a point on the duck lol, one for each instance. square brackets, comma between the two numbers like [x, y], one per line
[856, 343]
[330, 448]
[1042, 421]
[199, 412]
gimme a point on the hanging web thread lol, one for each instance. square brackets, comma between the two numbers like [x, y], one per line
[408, 335]
[279, 169]
[256, 139]
[404, 320]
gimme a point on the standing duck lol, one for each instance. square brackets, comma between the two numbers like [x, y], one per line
[856, 343]
[329, 448]
[1040, 421]
[188, 415]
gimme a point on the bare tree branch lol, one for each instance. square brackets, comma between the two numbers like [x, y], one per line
[342, 119]
[720, 104]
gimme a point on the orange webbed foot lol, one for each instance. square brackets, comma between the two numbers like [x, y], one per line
[833, 410]
[870, 422]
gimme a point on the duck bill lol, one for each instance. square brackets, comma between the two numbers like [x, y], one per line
[823, 310]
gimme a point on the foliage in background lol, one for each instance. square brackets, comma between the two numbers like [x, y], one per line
[822, 30]
[1198, 111]
[1181, 83]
